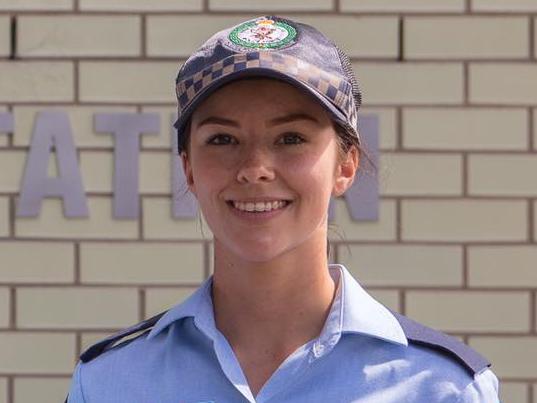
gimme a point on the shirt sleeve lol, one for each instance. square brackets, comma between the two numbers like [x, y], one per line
[484, 389]
[75, 391]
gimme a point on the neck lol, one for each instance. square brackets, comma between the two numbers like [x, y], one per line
[277, 305]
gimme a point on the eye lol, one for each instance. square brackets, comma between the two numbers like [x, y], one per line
[292, 138]
[220, 139]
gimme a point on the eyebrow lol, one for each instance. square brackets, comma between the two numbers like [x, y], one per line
[274, 122]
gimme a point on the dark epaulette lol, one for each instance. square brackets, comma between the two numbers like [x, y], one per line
[98, 348]
[426, 336]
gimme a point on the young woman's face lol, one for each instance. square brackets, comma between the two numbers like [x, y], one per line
[262, 140]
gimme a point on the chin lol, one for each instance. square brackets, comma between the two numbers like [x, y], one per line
[258, 252]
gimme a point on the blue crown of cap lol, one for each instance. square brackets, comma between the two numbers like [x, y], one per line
[308, 59]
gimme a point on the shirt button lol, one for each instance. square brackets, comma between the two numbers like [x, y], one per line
[318, 350]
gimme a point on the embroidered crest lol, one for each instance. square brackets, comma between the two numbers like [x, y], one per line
[263, 33]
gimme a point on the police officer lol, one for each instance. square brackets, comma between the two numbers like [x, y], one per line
[267, 133]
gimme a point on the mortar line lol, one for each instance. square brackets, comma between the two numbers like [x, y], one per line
[10, 389]
[13, 38]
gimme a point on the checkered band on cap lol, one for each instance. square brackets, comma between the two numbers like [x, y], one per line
[334, 87]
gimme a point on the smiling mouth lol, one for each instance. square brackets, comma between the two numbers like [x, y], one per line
[259, 207]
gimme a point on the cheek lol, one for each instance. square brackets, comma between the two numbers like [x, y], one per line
[207, 178]
[313, 172]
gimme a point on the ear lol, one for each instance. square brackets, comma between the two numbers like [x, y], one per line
[187, 169]
[345, 171]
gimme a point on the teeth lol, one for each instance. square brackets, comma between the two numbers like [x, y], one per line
[259, 207]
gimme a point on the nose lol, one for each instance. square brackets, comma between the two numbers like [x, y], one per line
[256, 166]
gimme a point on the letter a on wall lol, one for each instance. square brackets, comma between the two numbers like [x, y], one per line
[52, 131]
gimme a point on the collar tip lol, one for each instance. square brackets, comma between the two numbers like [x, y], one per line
[152, 334]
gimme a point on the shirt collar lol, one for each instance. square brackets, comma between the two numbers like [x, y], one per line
[198, 306]
[365, 315]
[353, 311]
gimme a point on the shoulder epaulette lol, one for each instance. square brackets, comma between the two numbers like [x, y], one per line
[426, 336]
[103, 345]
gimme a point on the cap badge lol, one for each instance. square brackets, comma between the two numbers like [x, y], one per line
[263, 34]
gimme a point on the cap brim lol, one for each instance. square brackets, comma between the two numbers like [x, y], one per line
[333, 110]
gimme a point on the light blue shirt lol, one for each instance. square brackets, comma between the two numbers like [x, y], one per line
[362, 355]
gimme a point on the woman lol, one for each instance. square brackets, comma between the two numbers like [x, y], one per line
[267, 133]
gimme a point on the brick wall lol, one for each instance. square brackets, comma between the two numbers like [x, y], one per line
[454, 83]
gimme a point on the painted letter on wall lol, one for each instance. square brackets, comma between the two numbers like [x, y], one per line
[52, 131]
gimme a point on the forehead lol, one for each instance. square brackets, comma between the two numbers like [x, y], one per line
[261, 94]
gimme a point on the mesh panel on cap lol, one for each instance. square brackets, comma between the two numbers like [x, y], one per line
[347, 68]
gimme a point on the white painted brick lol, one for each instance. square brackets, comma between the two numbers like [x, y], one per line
[52, 166]
[273, 5]
[382, 229]
[30, 353]
[420, 174]
[78, 35]
[466, 37]
[76, 307]
[139, 263]
[26, 5]
[141, 5]
[513, 392]
[159, 223]
[100, 224]
[514, 178]
[358, 36]
[36, 81]
[388, 298]
[503, 83]
[11, 170]
[80, 119]
[504, 5]
[463, 311]
[464, 220]
[392, 6]
[43, 390]
[143, 81]
[160, 299]
[97, 168]
[168, 115]
[155, 172]
[465, 128]
[37, 262]
[403, 265]
[502, 266]
[3, 390]
[534, 117]
[387, 125]
[179, 36]
[4, 216]
[5, 306]
[410, 83]
[512, 357]
[534, 220]
[5, 35]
